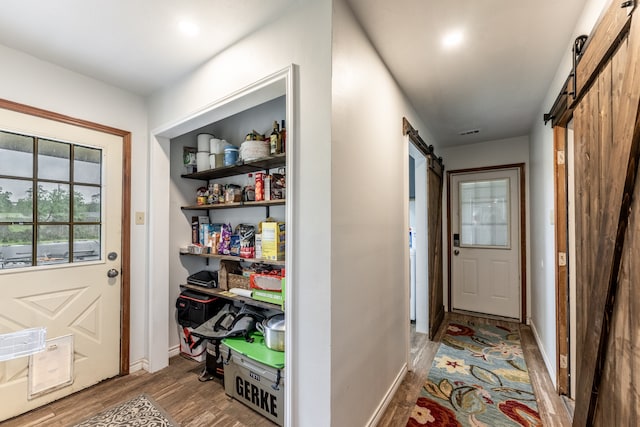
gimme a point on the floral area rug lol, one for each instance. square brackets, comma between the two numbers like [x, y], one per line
[478, 378]
[141, 411]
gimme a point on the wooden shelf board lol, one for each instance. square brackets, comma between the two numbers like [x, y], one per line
[233, 297]
[239, 168]
[235, 205]
[237, 258]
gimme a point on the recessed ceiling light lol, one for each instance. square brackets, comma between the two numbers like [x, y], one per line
[452, 39]
[188, 28]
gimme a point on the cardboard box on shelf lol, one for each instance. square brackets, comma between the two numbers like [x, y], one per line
[273, 241]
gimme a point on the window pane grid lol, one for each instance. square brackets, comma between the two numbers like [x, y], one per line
[46, 216]
[484, 213]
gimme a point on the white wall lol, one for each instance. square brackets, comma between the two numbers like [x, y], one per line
[301, 36]
[369, 224]
[490, 153]
[543, 302]
[30, 81]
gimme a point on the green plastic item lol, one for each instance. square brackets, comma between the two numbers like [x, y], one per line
[256, 350]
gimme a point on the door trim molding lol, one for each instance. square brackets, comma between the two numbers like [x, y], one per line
[523, 231]
[125, 291]
[561, 245]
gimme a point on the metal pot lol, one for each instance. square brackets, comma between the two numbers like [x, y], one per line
[273, 331]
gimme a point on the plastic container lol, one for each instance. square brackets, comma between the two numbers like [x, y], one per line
[254, 375]
[230, 155]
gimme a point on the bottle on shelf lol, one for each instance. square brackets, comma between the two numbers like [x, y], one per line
[283, 138]
[248, 190]
[273, 138]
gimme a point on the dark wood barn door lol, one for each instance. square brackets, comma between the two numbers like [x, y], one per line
[435, 171]
[607, 147]
[434, 203]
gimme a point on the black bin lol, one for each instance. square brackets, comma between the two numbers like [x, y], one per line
[194, 308]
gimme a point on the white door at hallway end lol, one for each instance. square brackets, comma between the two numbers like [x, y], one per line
[485, 237]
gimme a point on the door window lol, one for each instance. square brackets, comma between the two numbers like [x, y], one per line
[50, 201]
[484, 213]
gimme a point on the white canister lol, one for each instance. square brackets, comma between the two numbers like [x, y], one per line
[214, 146]
[212, 160]
[203, 142]
[202, 161]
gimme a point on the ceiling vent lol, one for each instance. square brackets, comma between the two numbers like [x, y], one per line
[469, 132]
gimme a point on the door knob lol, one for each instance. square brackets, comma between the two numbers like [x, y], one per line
[456, 252]
[112, 273]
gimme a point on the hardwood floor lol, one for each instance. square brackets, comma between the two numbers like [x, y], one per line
[198, 404]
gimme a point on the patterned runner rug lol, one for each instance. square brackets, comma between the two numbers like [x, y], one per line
[140, 411]
[478, 378]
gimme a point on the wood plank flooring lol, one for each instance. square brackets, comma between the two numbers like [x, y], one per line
[204, 404]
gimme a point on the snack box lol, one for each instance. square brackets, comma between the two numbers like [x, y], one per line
[273, 241]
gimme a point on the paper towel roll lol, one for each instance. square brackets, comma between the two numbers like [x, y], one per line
[203, 142]
[202, 161]
[214, 146]
[241, 292]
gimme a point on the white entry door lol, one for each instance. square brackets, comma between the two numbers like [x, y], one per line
[485, 250]
[60, 239]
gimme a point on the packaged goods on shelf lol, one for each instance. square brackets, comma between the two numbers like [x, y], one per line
[259, 187]
[267, 282]
[234, 245]
[271, 297]
[278, 185]
[258, 246]
[224, 247]
[273, 241]
[246, 233]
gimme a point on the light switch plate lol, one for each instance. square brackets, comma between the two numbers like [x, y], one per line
[139, 218]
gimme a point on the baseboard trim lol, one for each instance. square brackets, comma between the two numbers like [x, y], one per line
[550, 368]
[141, 364]
[174, 351]
[377, 415]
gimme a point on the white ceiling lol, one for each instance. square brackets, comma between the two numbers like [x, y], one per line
[495, 81]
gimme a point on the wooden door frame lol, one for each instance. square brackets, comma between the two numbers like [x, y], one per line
[561, 209]
[125, 290]
[523, 230]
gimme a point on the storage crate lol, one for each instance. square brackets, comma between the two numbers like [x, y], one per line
[254, 375]
[230, 275]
